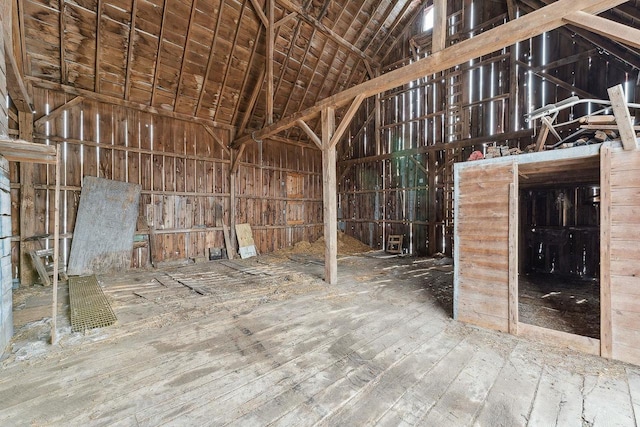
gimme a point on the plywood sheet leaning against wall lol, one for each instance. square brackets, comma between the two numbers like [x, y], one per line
[624, 255]
[481, 245]
[245, 241]
[106, 223]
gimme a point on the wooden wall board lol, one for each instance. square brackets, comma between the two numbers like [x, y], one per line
[139, 147]
[481, 293]
[105, 227]
[619, 247]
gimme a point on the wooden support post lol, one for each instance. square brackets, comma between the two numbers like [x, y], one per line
[606, 340]
[270, 49]
[56, 248]
[330, 205]
[513, 253]
[27, 199]
[235, 156]
[623, 118]
[439, 39]
[432, 202]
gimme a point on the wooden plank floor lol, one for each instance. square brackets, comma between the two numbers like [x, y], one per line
[266, 342]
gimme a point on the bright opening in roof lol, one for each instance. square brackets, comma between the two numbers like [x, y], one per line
[427, 23]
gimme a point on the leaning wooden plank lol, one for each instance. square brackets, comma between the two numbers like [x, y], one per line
[105, 226]
[623, 118]
[245, 241]
[227, 241]
[40, 268]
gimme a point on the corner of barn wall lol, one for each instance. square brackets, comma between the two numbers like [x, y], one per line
[6, 295]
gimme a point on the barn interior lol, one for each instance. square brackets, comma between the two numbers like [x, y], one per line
[301, 212]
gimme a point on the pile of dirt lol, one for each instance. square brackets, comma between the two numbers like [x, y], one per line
[347, 245]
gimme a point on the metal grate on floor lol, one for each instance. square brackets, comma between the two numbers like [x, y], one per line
[89, 306]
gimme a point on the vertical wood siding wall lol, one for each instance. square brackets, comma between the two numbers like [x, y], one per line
[624, 267]
[397, 173]
[184, 173]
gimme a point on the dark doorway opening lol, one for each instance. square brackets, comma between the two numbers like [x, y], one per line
[559, 251]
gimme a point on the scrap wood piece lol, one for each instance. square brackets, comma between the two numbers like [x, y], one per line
[245, 241]
[196, 289]
[241, 268]
[219, 217]
[227, 241]
[172, 282]
[623, 117]
[89, 306]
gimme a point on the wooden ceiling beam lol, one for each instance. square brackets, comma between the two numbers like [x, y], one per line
[622, 53]
[287, 58]
[216, 138]
[58, 111]
[556, 81]
[256, 89]
[367, 65]
[184, 53]
[210, 59]
[271, 36]
[132, 31]
[565, 61]
[605, 27]
[89, 95]
[223, 85]
[346, 119]
[315, 70]
[17, 150]
[252, 101]
[393, 27]
[285, 19]
[298, 74]
[64, 79]
[523, 28]
[388, 8]
[26, 69]
[439, 38]
[310, 133]
[160, 38]
[587, 39]
[406, 29]
[259, 12]
[290, 6]
[15, 83]
[96, 83]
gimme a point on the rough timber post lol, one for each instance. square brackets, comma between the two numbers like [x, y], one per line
[330, 206]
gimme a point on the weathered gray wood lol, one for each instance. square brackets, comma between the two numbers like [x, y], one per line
[558, 399]
[623, 118]
[106, 223]
[375, 350]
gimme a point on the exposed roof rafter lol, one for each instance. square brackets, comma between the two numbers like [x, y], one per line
[534, 23]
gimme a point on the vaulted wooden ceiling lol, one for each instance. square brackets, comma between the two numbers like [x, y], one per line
[205, 58]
